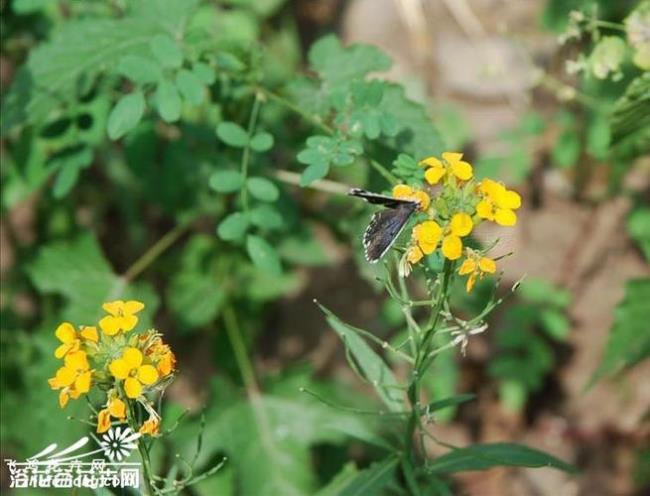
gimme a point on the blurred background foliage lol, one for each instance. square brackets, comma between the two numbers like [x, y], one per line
[195, 154]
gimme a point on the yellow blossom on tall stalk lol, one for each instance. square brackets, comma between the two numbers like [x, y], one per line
[450, 165]
[74, 378]
[497, 203]
[71, 340]
[121, 316]
[476, 266]
[133, 371]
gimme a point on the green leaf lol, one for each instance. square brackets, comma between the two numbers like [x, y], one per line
[566, 151]
[447, 402]
[630, 120]
[233, 227]
[190, 86]
[555, 323]
[263, 189]
[226, 181]
[139, 69]
[629, 337]
[205, 73]
[69, 166]
[638, 225]
[262, 141]
[371, 365]
[168, 101]
[263, 255]
[232, 134]
[195, 297]
[167, 51]
[126, 114]
[598, 136]
[372, 480]
[78, 271]
[266, 217]
[485, 456]
[313, 173]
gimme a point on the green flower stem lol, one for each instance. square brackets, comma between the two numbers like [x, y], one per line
[246, 154]
[144, 454]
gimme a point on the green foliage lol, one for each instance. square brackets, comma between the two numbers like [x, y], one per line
[629, 337]
[638, 225]
[630, 120]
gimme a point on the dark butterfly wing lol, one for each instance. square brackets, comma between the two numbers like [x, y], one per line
[384, 228]
[375, 199]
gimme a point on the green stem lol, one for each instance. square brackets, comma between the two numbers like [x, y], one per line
[246, 154]
[144, 454]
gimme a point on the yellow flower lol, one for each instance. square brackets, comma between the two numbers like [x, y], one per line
[414, 254]
[115, 408]
[476, 266]
[160, 354]
[103, 420]
[150, 426]
[404, 192]
[498, 203]
[130, 369]
[122, 316]
[460, 225]
[451, 163]
[74, 378]
[71, 341]
[427, 235]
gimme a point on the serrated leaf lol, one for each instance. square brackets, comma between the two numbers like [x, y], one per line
[232, 134]
[166, 51]
[190, 86]
[262, 189]
[485, 456]
[262, 142]
[370, 364]
[226, 181]
[126, 114]
[263, 255]
[168, 101]
[233, 227]
[139, 69]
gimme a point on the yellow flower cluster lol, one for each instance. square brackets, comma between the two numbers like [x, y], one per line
[124, 368]
[460, 204]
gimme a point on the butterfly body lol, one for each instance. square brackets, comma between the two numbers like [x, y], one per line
[385, 225]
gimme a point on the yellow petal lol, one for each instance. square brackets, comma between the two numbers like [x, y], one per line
[484, 210]
[119, 368]
[150, 427]
[65, 333]
[402, 191]
[77, 360]
[147, 374]
[114, 307]
[63, 398]
[462, 170]
[414, 255]
[434, 174]
[90, 333]
[491, 188]
[132, 387]
[452, 247]
[133, 357]
[65, 376]
[61, 350]
[470, 282]
[505, 217]
[461, 224]
[467, 267]
[133, 306]
[509, 199]
[423, 199]
[117, 408]
[427, 248]
[128, 322]
[110, 325]
[452, 157]
[103, 421]
[432, 162]
[82, 383]
[487, 265]
[428, 232]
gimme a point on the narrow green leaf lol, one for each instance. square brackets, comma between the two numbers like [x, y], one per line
[447, 402]
[263, 255]
[168, 101]
[370, 364]
[226, 181]
[263, 189]
[190, 87]
[166, 50]
[233, 227]
[485, 456]
[372, 480]
[232, 134]
[139, 69]
[262, 141]
[125, 115]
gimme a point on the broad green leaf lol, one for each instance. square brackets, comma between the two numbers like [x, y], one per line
[266, 217]
[226, 181]
[540, 291]
[372, 480]
[629, 337]
[190, 86]
[555, 323]
[598, 136]
[204, 72]
[262, 141]
[313, 173]
[167, 51]
[263, 255]
[638, 225]
[630, 120]
[233, 227]
[69, 166]
[168, 101]
[126, 114]
[139, 69]
[263, 189]
[232, 134]
[78, 271]
[566, 151]
[485, 456]
[371, 365]
[195, 297]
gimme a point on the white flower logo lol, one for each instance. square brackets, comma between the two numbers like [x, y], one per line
[118, 444]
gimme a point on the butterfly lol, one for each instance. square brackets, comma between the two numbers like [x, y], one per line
[385, 225]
